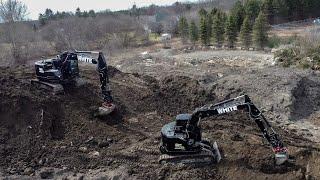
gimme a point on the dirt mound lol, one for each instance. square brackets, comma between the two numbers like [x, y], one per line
[112, 71]
[180, 94]
[306, 99]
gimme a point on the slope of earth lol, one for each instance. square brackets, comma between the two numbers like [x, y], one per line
[57, 136]
[288, 95]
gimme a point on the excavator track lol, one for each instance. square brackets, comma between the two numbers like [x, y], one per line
[203, 157]
[53, 88]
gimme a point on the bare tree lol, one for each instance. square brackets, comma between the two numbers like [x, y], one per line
[12, 11]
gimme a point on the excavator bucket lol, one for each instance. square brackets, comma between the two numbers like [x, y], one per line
[217, 152]
[281, 155]
[106, 109]
[281, 158]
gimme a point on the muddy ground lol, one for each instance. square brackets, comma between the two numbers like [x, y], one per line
[46, 136]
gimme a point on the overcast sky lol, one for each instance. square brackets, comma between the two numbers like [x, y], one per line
[38, 6]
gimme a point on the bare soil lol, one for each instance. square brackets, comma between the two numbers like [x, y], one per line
[58, 136]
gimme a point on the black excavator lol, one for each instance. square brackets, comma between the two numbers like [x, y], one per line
[62, 72]
[182, 141]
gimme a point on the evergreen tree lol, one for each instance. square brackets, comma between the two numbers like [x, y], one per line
[183, 28]
[280, 8]
[224, 18]
[49, 14]
[204, 31]
[194, 34]
[213, 12]
[218, 28]
[92, 13]
[252, 9]
[268, 10]
[85, 14]
[260, 31]
[245, 33]
[42, 19]
[202, 12]
[238, 13]
[78, 12]
[209, 21]
[231, 31]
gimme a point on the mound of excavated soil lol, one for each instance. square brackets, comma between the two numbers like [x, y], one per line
[306, 99]
[178, 94]
[48, 136]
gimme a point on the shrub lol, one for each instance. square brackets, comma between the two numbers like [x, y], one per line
[274, 41]
[287, 57]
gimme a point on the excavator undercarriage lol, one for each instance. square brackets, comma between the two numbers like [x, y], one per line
[206, 154]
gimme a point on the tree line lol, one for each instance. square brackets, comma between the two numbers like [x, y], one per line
[291, 10]
[246, 22]
[50, 15]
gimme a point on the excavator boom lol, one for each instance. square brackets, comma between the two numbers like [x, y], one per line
[244, 103]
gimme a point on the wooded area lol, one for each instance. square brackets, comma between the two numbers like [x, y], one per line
[211, 22]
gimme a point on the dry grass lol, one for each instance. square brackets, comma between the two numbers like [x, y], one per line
[304, 52]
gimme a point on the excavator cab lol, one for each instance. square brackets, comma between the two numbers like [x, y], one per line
[69, 65]
[58, 70]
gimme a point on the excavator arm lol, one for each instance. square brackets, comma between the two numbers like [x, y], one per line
[243, 103]
[102, 68]
[103, 74]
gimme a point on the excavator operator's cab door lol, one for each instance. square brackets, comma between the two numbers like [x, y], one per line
[72, 66]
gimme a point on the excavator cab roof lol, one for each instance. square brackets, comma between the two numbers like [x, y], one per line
[183, 117]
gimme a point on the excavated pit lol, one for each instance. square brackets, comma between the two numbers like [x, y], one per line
[40, 131]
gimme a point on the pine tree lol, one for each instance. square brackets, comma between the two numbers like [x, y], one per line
[210, 25]
[209, 21]
[202, 12]
[224, 19]
[78, 12]
[203, 31]
[268, 10]
[245, 33]
[194, 34]
[231, 31]
[183, 28]
[205, 21]
[260, 30]
[238, 13]
[213, 12]
[218, 28]
[42, 19]
[252, 8]
[92, 13]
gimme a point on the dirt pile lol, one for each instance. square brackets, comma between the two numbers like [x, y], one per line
[178, 94]
[306, 99]
[58, 136]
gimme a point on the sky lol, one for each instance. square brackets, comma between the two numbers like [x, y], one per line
[35, 7]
